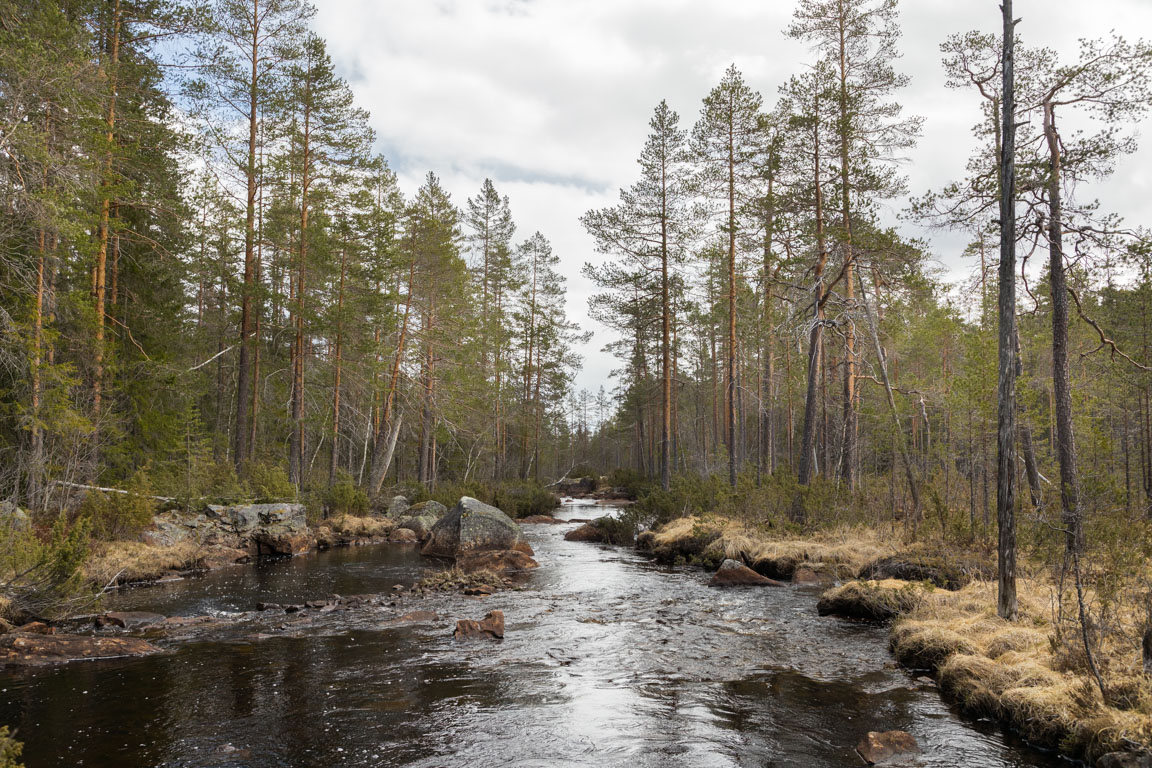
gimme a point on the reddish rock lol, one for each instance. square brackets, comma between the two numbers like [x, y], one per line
[734, 574]
[36, 628]
[20, 649]
[285, 543]
[588, 532]
[499, 562]
[481, 591]
[221, 557]
[404, 536]
[491, 626]
[806, 575]
[887, 747]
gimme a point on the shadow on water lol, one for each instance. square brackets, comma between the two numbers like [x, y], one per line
[609, 660]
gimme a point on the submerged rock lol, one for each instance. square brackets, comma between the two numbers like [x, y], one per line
[128, 619]
[734, 574]
[491, 626]
[887, 747]
[1125, 760]
[21, 649]
[473, 526]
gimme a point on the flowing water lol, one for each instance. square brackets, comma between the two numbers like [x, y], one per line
[608, 660]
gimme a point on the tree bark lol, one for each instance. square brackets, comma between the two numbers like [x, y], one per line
[815, 338]
[1006, 386]
[1061, 384]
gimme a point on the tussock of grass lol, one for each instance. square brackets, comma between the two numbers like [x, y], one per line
[846, 552]
[455, 579]
[1015, 671]
[871, 600]
[125, 562]
[348, 525]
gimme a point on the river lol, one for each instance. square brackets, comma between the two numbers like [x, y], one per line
[608, 660]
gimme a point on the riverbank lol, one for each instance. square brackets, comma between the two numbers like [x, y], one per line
[1029, 675]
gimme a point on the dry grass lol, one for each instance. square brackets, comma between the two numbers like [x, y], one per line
[125, 562]
[347, 525]
[1018, 673]
[845, 552]
[455, 579]
[873, 600]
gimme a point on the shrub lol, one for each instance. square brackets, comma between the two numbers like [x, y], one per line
[41, 577]
[344, 498]
[268, 481]
[620, 531]
[10, 749]
[121, 516]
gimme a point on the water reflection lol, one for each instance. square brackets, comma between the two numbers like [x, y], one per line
[609, 660]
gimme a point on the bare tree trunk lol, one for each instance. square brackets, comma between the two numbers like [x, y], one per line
[1006, 388]
[815, 338]
[1061, 385]
[382, 455]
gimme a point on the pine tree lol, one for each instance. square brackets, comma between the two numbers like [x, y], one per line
[650, 231]
[724, 142]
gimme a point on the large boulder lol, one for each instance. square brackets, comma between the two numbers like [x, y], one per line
[255, 529]
[397, 507]
[473, 526]
[734, 574]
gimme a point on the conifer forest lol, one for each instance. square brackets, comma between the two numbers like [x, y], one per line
[755, 434]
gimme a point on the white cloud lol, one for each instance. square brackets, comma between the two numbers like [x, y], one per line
[551, 98]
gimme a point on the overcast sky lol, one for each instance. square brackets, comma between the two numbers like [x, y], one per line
[551, 98]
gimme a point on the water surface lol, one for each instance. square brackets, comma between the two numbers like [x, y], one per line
[608, 660]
